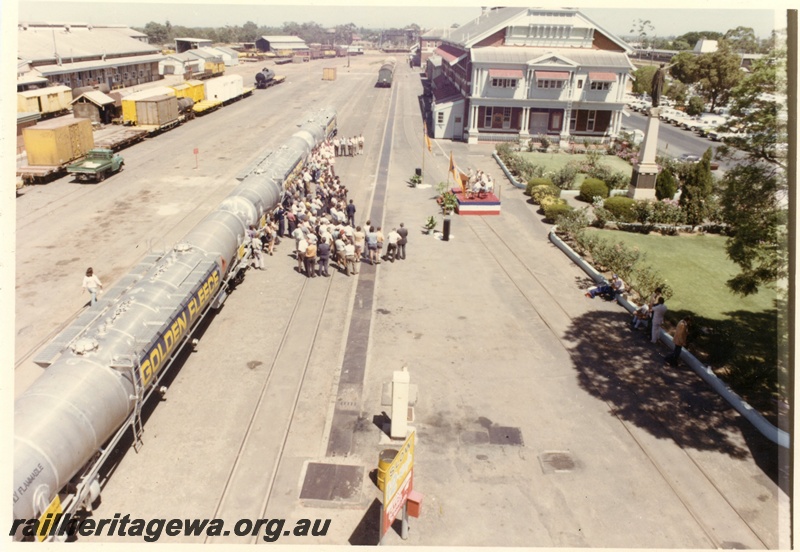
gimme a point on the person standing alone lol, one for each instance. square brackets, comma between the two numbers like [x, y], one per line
[401, 243]
[658, 318]
[679, 340]
[92, 284]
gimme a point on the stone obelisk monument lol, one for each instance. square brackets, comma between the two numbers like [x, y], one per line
[645, 171]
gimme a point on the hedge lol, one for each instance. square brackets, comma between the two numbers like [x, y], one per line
[621, 208]
[555, 209]
[592, 188]
[541, 193]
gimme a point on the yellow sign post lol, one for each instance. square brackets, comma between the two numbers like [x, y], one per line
[397, 486]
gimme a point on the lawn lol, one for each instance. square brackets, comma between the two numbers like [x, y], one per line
[555, 161]
[737, 335]
[696, 267]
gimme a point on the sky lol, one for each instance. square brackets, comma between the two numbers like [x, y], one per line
[617, 17]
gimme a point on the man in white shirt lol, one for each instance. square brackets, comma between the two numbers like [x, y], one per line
[391, 249]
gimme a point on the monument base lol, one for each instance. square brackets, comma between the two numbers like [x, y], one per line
[643, 183]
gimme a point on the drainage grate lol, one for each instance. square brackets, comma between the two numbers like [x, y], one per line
[500, 435]
[557, 462]
[332, 482]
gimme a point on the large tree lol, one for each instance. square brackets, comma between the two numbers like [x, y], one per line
[742, 40]
[642, 78]
[754, 192]
[714, 74]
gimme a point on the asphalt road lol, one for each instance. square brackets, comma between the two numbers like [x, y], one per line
[674, 141]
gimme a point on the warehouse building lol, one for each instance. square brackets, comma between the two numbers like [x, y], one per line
[79, 55]
[283, 46]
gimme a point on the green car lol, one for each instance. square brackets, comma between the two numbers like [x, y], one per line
[97, 164]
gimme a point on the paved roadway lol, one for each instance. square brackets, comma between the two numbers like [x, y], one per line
[541, 421]
[674, 141]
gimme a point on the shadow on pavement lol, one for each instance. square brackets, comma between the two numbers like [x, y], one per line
[366, 532]
[620, 366]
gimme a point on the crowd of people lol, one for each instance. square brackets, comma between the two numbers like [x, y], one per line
[348, 146]
[317, 214]
[479, 182]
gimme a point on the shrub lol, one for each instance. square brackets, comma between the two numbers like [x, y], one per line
[543, 193]
[555, 209]
[565, 177]
[614, 180]
[644, 280]
[592, 187]
[621, 208]
[602, 216]
[504, 151]
[537, 181]
[572, 222]
[667, 211]
[695, 106]
[666, 185]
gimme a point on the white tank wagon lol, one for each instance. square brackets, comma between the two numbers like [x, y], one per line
[103, 367]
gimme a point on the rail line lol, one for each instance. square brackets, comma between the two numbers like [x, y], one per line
[697, 516]
[239, 464]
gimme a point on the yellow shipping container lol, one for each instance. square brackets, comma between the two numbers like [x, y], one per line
[193, 89]
[198, 90]
[58, 141]
[329, 73]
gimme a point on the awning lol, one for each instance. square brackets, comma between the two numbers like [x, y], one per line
[603, 77]
[505, 73]
[552, 75]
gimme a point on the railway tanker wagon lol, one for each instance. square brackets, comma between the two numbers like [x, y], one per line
[386, 73]
[105, 365]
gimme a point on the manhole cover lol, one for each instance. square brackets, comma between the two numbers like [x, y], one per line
[557, 462]
[500, 435]
[332, 482]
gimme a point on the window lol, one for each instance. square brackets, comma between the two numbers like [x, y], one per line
[580, 84]
[599, 85]
[487, 117]
[504, 83]
[573, 119]
[590, 120]
[545, 83]
[506, 117]
[440, 117]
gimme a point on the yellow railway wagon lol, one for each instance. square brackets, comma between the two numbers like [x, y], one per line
[129, 101]
[214, 68]
[192, 89]
[52, 99]
[58, 141]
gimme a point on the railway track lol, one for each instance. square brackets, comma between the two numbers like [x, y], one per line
[557, 319]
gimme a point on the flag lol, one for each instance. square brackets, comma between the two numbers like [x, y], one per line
[427, 138]
[455, 172]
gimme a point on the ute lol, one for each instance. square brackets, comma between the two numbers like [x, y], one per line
[97, 164]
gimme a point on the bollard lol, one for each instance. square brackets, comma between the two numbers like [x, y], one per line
[446, 229]
[418, 171]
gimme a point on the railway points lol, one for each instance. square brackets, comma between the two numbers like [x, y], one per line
[534, 405]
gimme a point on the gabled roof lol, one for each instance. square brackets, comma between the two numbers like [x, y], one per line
[96, 97]
[584, 57]
[283, 38]
[484, 25]
[494, 20]
[39, 44]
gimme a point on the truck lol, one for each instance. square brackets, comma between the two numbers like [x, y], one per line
[98, 163]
